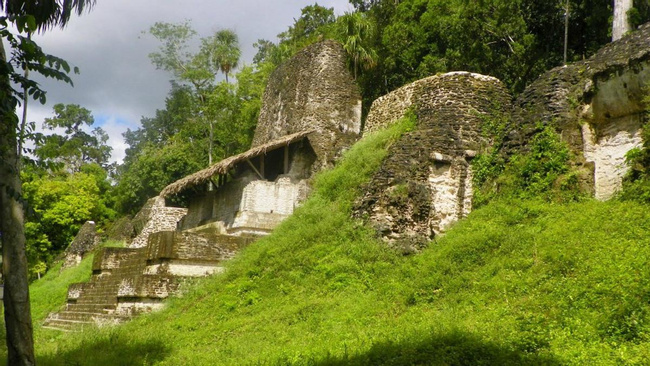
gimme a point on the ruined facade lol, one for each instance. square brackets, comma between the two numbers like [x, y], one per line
[311, 113]
[424, 185]
[153, 217]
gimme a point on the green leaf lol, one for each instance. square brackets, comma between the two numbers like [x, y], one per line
[31, 23]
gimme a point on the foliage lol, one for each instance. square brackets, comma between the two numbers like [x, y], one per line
[515, 41]
[543, 171]
[75, 147]
[517, 282]
[58, 205]
[27, 17]
[353, 31]
[311, 25]
[203, 120]
[172, 144]
[639, 13]
[314, 24]
[65, 185]
[222, 50]
[51, 291]
[154, 168]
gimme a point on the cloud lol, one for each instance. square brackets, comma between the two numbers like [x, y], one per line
[108, 45]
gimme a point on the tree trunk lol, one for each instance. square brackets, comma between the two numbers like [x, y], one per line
[18, 319]
[621, 25]
[566, 29]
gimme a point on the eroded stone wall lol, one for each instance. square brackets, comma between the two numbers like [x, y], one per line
[313, 90]
[424, 185]
[247, 205]
[596, 105]
[85, 241]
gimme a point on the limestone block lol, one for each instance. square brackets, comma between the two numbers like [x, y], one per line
[85, 241]
[160, 218]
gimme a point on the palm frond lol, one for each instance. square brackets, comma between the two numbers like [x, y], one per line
[47, 13]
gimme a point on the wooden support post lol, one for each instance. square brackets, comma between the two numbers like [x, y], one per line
[254, 169]
[286, 159]
[262, 158]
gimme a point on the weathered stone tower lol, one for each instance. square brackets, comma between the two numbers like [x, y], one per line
[313, 91]
[424, 185]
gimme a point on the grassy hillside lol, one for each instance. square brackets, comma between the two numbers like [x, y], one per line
[518, 282]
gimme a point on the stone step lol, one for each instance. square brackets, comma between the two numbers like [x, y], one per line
[130, 281]
[90, 316]
[245, 231]
[93, 308]
[66, 325]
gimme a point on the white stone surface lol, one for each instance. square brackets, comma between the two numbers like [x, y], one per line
[444, 187]
[607, 152]
[451, 194]
[136, 307]
[184, 269]
[279, 197]
[161, 218]
[264, 204]
[620, 24]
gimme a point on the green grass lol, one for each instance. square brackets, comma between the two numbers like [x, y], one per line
[517, 283]
[50, 292]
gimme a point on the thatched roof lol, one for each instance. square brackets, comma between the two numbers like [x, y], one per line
[224, 165]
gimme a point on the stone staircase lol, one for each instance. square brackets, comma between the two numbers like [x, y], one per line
[129, 281]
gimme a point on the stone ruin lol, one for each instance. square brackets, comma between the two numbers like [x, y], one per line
[596, 105]
[311, 112]
[313, 91]
[85, 242]
[424, 185]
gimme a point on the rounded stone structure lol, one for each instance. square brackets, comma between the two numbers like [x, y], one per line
[424, 184]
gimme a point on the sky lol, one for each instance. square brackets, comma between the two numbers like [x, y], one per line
[118, 83]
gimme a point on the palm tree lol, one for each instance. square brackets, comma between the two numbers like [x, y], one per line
[44, 15]
[47, 13]
[353, 30]
[223, 50]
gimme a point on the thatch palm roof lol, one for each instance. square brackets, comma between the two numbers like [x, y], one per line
[226, 164]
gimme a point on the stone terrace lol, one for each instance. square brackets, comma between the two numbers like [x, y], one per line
[129, 281]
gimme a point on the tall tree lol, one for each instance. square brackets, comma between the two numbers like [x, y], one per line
[75, 147]
[222, 50]
[217, 53]
[311, 25]
[28, 16]
[621, 24]
[354, 30]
